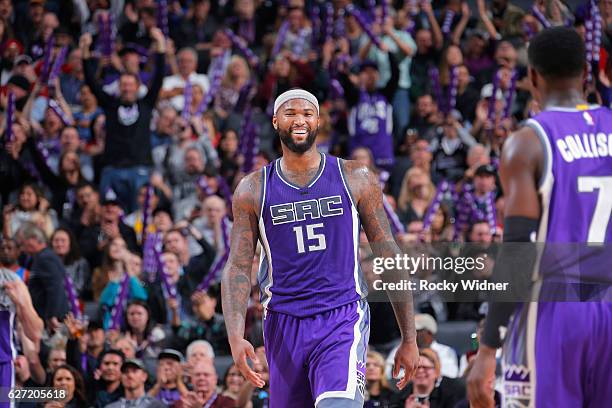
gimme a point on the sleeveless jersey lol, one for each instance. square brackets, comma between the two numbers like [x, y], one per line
[7, 319]
[576, 191]
[310, 242]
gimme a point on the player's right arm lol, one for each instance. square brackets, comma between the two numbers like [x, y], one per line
[236, 278]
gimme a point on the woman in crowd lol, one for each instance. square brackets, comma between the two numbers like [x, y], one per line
[379, 394]
[65, 246]
[31, 206]
[415, 195]
[67, 378]
[232, 382]
[108, 278]
[429, 388]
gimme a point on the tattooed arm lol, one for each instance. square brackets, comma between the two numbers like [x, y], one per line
[236, 279]
[365, 188]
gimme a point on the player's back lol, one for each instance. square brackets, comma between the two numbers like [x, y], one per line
[310, 238]
[576, 187]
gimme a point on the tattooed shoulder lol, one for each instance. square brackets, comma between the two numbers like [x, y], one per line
[360, 178]
[247, 196]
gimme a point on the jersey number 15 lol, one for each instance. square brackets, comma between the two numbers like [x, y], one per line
[311, 235]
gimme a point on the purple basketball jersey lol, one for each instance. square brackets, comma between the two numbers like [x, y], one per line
[580, 164]
[576, 190]
[310, 239]
[371, 125]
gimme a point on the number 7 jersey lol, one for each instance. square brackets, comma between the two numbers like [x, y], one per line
[576, 185]
[310, 242]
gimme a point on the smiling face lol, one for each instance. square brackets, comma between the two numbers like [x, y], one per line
[297, 123]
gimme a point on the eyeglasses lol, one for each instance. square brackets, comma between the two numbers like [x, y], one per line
[426, 368]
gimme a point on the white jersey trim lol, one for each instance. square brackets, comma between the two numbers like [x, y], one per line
[351, 386]
[266, 247]
[312, 183]
[566, 109]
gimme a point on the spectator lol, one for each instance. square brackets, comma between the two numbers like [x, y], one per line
[204, 381]
[65, 246]
[142, 330]
[197, 30]
[128, 143]
[9, 252]
[88, 115]
[207, 324]
[194, 267]
[85, 345]
[378, 390]
[107, 389]
[66, 377]
[169, 387]
[32, 207]
[233, 380]
[165, 128]
[173, 86]
[237, 76]
[47, 273]
[415, 195]
[449, 148]
[72, 83]
[199, 350]
[426, 116]
[56, 358]
[126, 345]
[133, 378]
[427, 328]
[401, 44]
[370, 122]
[114, 265]
[164, 309]
[115, 277]
[100, 225]
[430, 387]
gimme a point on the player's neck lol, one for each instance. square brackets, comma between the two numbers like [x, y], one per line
[567, 98]
[295, 163]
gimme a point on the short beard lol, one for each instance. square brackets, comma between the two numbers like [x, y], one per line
[299, 148]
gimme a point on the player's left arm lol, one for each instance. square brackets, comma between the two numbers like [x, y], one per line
[520, 170]
[366, 191]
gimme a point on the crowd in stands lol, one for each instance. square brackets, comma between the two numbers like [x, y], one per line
[127, 124]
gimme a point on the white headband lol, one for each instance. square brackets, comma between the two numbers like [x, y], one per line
[295, 94]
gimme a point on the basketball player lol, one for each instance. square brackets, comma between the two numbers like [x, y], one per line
[307, 210]
[557, 177]
[15, 305]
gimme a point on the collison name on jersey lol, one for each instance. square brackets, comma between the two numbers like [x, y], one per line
[576, 191]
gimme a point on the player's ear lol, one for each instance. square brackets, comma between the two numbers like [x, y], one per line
[274, 122]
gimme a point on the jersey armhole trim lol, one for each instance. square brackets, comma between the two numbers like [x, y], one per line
[345, 182]
[262, 200]
[546, 176]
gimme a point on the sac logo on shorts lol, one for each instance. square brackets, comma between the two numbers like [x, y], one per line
[517, 387]
[361, 377]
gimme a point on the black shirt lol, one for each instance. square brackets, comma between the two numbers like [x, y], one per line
[46, 285]
[128, 134]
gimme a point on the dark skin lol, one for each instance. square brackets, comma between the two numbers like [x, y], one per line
[300, 170]
[521, 167]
